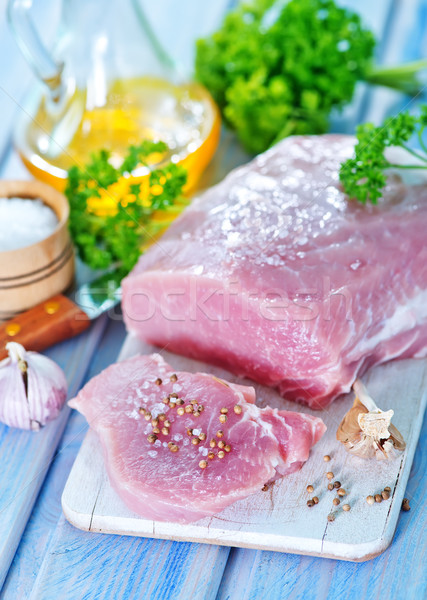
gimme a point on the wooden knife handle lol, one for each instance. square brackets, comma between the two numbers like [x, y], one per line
[52, 321]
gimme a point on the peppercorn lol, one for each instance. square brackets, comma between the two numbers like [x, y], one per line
[405, 505]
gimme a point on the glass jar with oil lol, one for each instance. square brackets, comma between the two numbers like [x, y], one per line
[107, 84]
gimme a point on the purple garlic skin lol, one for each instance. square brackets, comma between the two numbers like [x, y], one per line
[33, 388]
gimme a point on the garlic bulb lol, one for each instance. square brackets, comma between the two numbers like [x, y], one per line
[366, 430]
[33, 388]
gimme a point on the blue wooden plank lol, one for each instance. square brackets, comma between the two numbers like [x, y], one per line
[25, 456]
[47, 511]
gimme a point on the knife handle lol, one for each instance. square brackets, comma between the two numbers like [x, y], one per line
[52, 321]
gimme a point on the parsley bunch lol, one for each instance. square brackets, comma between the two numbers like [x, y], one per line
[113, 215]
[364, 176]
[278, 68]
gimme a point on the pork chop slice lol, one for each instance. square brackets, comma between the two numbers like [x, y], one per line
[180, 446]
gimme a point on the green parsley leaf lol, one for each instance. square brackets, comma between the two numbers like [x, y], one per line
[364, 176]
[114, 216]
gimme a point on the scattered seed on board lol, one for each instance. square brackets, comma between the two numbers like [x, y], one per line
[167, 423]
[211, 455]
[385, 495]
[221, 444]
[172, 404]
[346, 507]
[341, 492]
[224, 410]
[220, 433]
[264, 488]
[378, 498]
[336, 501]
[202, 436]
[173, 378]
[315, 500]
[203, 464]
[238, 409]
[154, 422]
[310, 489]
[330, 475]
[370, 500]
[212, 443]
[188, 409]
[165, 400]
[337, 484]
[165, 430]
[221, 454]
[156, 429]
[331, 518]
[223, 418]
[195, 441]
[387, 489]
[196, 413]
[173, 395]
[173, 448]
[310, 503]
[158, 381]
[227, 447]
[330, 486]
[180, 411]
[151, 438]
[147, 416]
[326, 458]
[405, 505]
[141, 410]
[161, 417]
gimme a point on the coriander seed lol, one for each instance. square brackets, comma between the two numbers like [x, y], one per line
[385, 495]
[326, 458]
[341, 492]
[346, 507]
[378, 498]
[238, 409]
[203, 464]
[336, 501]
[370, 500]
[310, 489]
[151, 438]
[223, 418]
[330, 475]
[337, 484]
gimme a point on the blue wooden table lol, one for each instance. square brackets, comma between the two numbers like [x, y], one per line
[43, 557]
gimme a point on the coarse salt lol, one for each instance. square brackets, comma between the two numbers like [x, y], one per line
[24, 222]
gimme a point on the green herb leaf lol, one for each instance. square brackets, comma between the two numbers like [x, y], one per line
[277, 70]
[364, 176]
[114, 216]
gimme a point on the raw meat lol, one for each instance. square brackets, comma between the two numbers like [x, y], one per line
[166, 485]
[275, 274]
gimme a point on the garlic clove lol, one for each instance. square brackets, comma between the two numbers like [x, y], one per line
[366, 430]
[33, 388]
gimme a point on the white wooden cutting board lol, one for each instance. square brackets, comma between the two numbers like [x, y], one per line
[279, 518]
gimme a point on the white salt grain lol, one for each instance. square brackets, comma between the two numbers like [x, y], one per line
[152, 453]
[24, 222]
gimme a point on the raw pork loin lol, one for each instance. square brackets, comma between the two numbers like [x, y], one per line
[275, 274]
[166, 479]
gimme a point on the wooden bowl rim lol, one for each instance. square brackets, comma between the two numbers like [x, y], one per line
[32, 189]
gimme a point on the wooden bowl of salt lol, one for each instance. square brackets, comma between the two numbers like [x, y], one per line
[36, 253]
